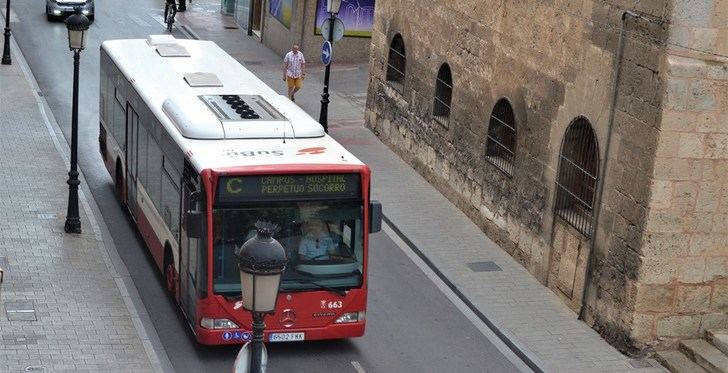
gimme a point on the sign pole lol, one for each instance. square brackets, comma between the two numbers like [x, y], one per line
[6, 47]
[324, 114]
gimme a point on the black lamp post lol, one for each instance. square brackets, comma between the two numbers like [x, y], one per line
[6, 46]
[332, 7]
[77, 25]
[261, 261]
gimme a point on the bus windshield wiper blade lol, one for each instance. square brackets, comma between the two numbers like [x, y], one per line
[321, 286]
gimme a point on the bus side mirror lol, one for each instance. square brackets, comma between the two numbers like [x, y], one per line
[193, 219]
[375, 216]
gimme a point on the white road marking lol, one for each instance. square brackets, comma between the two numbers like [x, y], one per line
[138, 20]
[358, 367]
[13, 16]
[160, 19]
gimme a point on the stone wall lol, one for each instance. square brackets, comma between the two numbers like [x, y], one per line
[683, 282]
[554, 61]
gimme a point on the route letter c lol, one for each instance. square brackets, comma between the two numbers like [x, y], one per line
[234, 189]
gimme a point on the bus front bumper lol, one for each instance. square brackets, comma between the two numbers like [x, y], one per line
[240, 336]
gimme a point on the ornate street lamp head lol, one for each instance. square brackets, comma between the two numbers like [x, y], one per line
[261, 261]
[332, 6]
[77, 24]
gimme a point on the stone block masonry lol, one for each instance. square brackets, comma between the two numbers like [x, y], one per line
[685, 249]
[660, 251]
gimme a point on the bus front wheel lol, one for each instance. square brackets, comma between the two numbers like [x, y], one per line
[119, 182]
[170, 274]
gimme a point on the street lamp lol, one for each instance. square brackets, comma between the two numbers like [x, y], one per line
[77, 24]
[6, 46]
[261, 261]
[332, 7]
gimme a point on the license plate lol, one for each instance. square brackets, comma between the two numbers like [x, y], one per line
[285, 337]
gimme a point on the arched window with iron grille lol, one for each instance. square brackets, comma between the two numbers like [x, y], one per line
[501, 143]
[397, 63]
[577, 181]
[443, 95]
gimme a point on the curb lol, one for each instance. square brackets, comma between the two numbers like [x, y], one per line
[142, 323]
[188, 31]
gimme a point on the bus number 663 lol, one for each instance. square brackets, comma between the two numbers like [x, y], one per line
[331, 304]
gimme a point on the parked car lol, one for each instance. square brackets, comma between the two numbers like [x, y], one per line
[60, 9]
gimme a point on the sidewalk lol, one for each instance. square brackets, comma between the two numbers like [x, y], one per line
[64, 306]
[529, 314]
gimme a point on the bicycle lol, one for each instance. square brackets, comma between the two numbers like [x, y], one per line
[170, 11]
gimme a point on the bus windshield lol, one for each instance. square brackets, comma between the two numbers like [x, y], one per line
[323, 242]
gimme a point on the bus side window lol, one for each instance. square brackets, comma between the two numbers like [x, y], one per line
[154, 169]
[119, 117]
[142, 142]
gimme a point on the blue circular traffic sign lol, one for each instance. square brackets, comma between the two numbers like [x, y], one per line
[326, 51]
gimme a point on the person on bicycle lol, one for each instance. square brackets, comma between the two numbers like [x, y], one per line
[170, 10]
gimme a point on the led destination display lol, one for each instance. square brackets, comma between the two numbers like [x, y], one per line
[289, 187]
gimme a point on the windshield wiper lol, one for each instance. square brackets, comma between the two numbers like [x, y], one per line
[321, 286]
[229, 297]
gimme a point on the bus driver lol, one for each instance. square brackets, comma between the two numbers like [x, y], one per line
[317, 243]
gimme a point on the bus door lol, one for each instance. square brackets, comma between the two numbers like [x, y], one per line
[189, 250]
[132, 135]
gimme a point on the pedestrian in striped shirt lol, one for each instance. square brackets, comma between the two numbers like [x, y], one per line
[294, 70]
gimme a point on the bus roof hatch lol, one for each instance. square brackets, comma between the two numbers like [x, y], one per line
[234, 117]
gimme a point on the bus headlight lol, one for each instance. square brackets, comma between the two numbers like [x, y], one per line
[210, 323]
[350, 317]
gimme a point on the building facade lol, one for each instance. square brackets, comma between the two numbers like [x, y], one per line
[281, 23]
[588, 139]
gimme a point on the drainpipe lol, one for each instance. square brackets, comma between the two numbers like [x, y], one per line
[304, 23]
[250, 18]
[603, 171]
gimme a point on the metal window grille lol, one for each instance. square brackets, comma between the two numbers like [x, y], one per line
[577, 181]
[501, 143]
[396, 64]
[443, 95]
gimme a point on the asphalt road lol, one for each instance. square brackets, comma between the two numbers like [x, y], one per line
[412, 326]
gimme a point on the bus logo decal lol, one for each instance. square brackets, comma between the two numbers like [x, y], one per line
[227, 336]
[288, 318]
[252, 153]
[314, 150]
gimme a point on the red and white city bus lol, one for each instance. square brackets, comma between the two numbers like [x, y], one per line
[199, 150]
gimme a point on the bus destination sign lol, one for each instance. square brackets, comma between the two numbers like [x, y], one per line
[289, 187]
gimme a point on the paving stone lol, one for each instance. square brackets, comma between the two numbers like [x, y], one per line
[58, 291]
